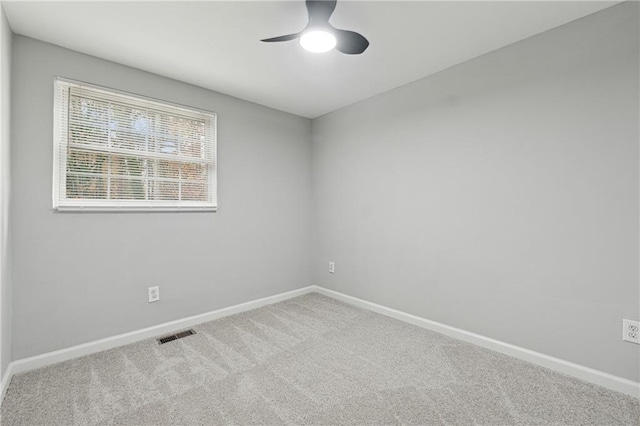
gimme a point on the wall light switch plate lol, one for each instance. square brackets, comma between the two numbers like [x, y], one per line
[631, 331]
[332, 267]
[154, 294]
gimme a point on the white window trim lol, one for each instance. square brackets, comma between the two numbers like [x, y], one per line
[60, 141]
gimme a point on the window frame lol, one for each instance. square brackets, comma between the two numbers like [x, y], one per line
[61, 142]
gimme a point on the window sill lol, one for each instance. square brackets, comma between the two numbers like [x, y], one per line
[132, 209]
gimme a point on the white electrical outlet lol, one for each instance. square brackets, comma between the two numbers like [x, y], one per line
[631, 331]
[332, 267]
[154, 294]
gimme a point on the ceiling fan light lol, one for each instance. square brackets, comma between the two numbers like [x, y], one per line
[317, 41]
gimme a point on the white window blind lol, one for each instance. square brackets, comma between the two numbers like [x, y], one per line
[123, 152]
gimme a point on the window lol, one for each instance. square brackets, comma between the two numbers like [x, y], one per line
[116, 151]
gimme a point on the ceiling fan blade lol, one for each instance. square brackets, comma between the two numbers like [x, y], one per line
[350, 42]
[320, 11]
[281, 38]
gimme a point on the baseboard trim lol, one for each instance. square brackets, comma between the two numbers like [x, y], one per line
[587, 374]
[6, 379]
[54, 357]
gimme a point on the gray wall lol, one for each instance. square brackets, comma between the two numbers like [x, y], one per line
[5, 192]
[499, 196]
[79, 277]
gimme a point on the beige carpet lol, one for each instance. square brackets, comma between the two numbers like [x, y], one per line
[309, 360]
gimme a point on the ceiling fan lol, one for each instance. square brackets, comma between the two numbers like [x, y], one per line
[320, 36]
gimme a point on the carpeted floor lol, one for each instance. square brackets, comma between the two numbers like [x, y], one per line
[308, 360]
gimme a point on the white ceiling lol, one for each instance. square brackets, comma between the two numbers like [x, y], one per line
[216, 44]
